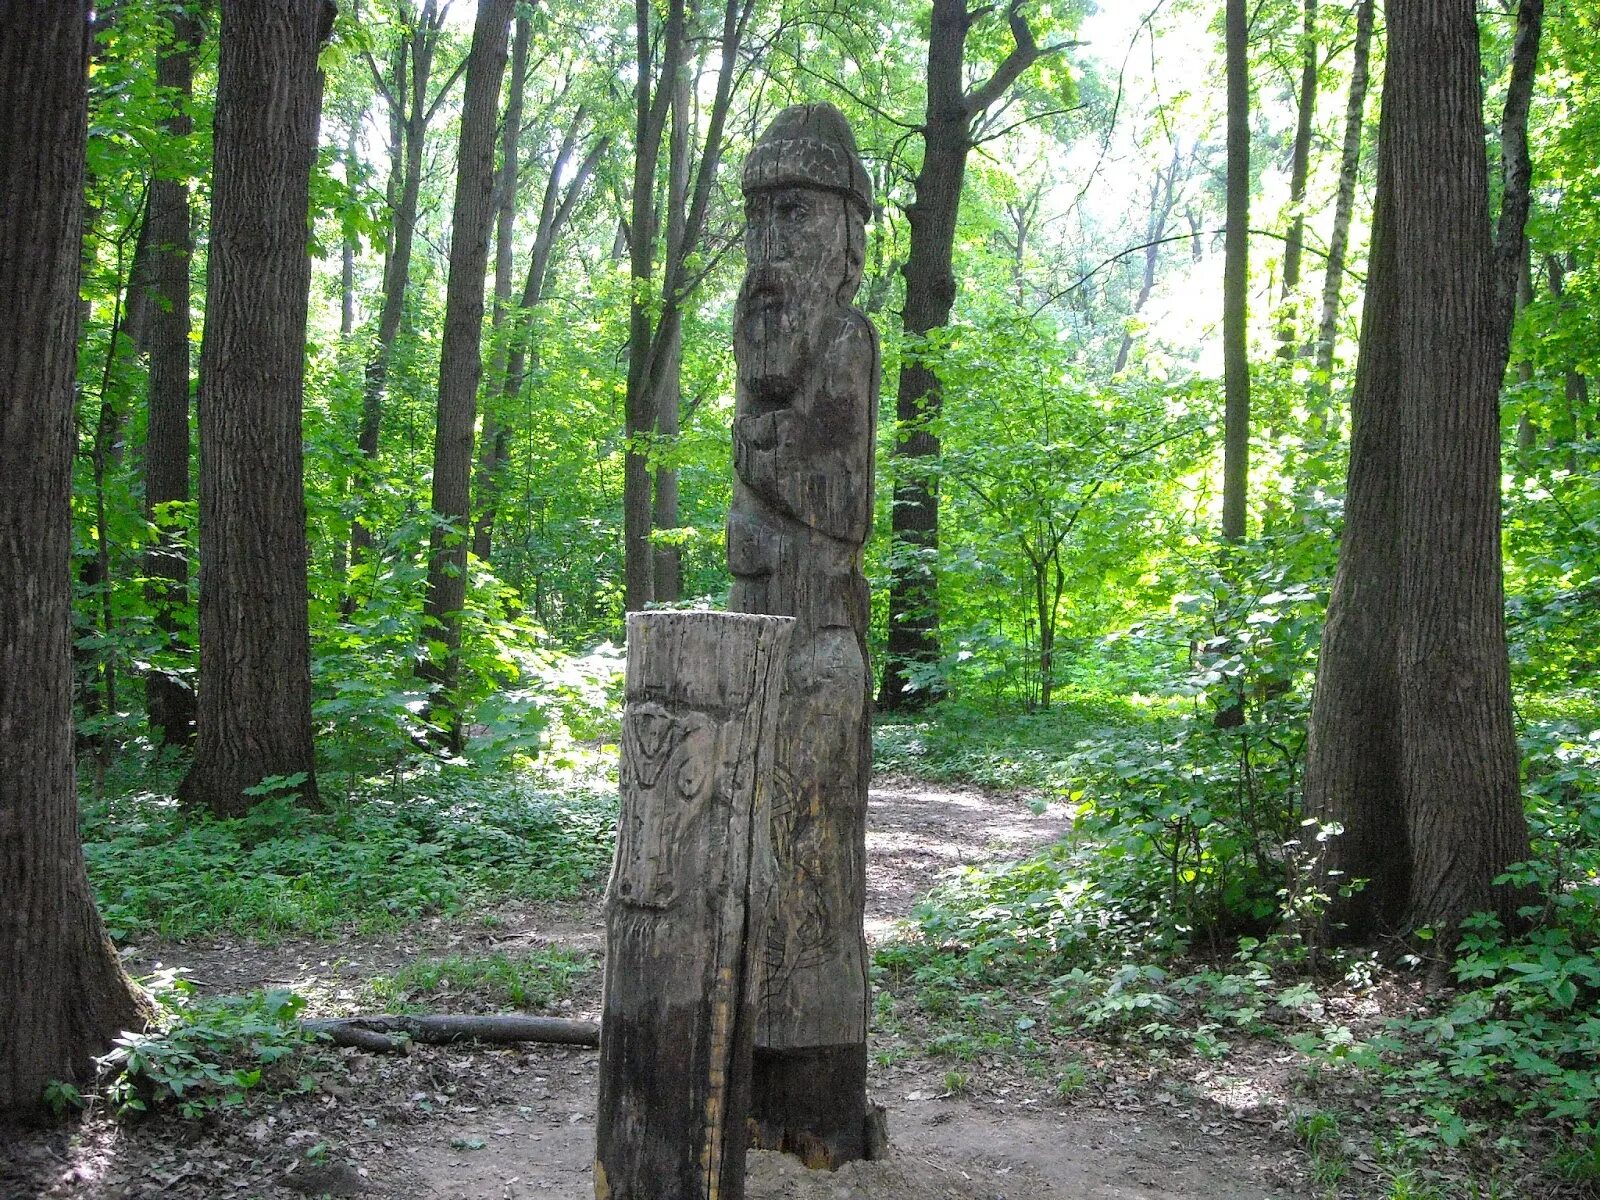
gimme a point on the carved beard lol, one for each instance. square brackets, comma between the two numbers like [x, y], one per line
[778, 325]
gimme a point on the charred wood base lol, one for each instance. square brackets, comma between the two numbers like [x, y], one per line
[812, 1104]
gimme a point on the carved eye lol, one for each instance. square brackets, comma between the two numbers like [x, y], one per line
[794, 208]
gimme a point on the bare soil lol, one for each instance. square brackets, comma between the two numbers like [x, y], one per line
[508, 1124]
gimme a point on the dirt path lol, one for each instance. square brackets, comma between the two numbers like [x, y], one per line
[514, 1124]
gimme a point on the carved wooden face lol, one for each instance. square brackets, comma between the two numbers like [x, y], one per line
[802, 263]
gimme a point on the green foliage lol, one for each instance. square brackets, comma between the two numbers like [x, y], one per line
[530, 980]
[430, 842]
[206, 1055]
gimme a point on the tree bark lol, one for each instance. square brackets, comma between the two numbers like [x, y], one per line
[461, 361]
[913, 633]
[684, 911]
[1236, 281]
[169, 700]
[254, 717]
[62, 988]
[1343, 208]
[1411, 747]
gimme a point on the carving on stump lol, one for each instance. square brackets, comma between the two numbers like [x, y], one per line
[690, 887]
[805, 416]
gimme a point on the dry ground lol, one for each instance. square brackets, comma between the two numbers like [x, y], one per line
[509, 1124]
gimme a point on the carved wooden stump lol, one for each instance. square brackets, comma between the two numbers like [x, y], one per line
[685, 911]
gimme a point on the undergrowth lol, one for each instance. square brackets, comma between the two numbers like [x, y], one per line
[438, 843]
[1164, 927]
[203, 1055]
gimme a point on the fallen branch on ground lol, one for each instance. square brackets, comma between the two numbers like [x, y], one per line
[385, 1033]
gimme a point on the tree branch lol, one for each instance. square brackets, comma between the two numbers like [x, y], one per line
[1023, 55]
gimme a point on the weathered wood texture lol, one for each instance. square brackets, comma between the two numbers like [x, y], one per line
[691, 881]
[806, 407]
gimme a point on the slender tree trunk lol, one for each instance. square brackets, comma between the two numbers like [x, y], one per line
[554, 214]
[1162, 199]
[1299, 171]
[461, 360]
[494, 446]
[1343, 208]
[1236, 281]
[410, 111]
[652, 98]
[255, 655]
[660, 290]
[169, 701]
[62, 988]
[1411, 743]
[668, 570]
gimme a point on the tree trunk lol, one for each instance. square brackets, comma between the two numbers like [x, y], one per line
[494, 443]
[1344, 206]
[652, 98]
[461, 360]
[913, 633]
[685, 907]
[62, 988]
[554, 213]
[169, 700]
[1299, 171]
[1162, 200]
[255, 657]
[1412, 747]
[656, 312]
[1236, 281]
[668, 569]
[410, 111]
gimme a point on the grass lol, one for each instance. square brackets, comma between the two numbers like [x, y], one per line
[532, 980]
[361, 864]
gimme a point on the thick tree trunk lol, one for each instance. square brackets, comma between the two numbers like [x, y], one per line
[62, 988]
[1344, 206]
[169, 700]
[1299, 172]
[1412, 747]
[684, 911]
[255, 657]
[461, 359]
[913, 635]
[1236, 281]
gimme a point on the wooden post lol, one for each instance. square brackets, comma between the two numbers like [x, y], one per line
[686, 907]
